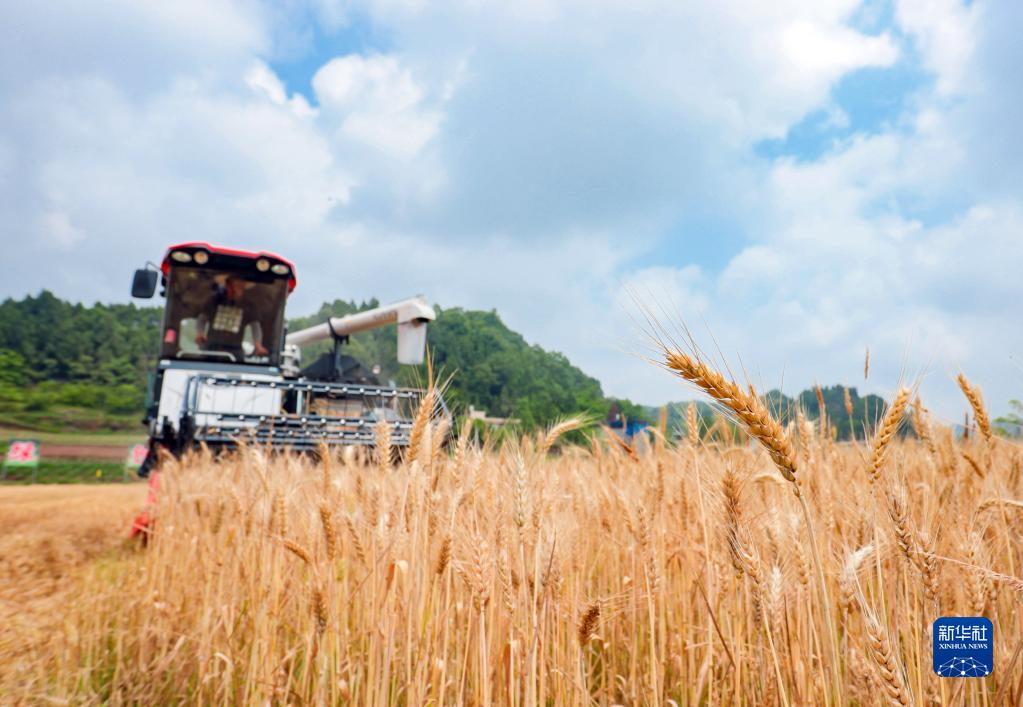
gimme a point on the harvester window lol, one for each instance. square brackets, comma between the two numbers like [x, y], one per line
[189, 327]
[223, 316]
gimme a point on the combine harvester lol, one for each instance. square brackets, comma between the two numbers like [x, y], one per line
[229, 374]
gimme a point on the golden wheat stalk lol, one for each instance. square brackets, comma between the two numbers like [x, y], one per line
[885, 660]
[992, 502]
[461, 452]
[849, 579]
[627, 448]
[886, 432]
[910, 542]
[974, 463]
[438, 436]
[329, 532]
[382, 444]
[979, 585]
[749, 560]
[319, 607]
[419, 425]
[899, 515]
[298, 551]
[748, 408]
[976, 401]
[520, 493]
[922, 426]
[279, 515]
[562, 427]
[733, 517]
[692, 425]
[588, 623]
[822, 412]
[444, 557]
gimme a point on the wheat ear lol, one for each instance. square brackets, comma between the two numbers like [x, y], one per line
[922, 426]
[733, 517]
[461, 452]
[886, 432]
[298, 551]
[319, 606]
[279, 515]
[692, 425]
[588, 622]
[750, 410]
[382, 444]
[438, 436]
[849, 579]
[885, 660]
[972, 394]
[444, 558]
[627, 448]
[423, 415]
[747, 407]
[558, 429]
[329, 532]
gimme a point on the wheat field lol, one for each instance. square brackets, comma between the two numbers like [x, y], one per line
[792, 571]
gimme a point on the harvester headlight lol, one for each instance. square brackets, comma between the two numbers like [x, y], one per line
[201, 257]
[182, 256]
[280, 269]
[262, 265]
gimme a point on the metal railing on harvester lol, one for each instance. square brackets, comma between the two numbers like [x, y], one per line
[306, 430]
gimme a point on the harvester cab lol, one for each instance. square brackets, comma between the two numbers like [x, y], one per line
[229, 373]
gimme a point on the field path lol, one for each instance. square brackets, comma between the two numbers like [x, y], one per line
[48, 534]
[84, 451]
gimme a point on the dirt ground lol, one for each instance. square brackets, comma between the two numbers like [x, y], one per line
[83, 451]
[48, 534]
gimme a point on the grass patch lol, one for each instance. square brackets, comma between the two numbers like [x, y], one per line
[69, 471]
[71, 437]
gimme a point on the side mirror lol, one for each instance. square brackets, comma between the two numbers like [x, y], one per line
[143, 285]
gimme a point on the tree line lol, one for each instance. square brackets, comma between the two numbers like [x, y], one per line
[72, 365]
[847, 415]
[65, 364]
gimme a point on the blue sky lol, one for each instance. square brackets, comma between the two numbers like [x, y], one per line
[797, 181]
[318, 42]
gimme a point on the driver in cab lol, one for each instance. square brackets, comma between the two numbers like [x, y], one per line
[221, 327]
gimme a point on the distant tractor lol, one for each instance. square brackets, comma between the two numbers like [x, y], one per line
[229, 373]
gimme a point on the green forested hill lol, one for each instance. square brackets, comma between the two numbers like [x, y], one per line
[69, 364]
[490, 366]
[65, 364]
[47, 339]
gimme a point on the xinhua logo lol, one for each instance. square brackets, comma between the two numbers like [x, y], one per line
[963, 647]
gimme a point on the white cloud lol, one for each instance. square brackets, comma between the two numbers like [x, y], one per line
[140, 46]
[264, 81]
[545, 159]
[838, 267]
[944, 32]
[819, 52]
[378, 103]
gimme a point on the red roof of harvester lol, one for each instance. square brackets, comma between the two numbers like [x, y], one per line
[254, 255]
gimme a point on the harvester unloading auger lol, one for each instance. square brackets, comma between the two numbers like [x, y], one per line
[228, 373]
